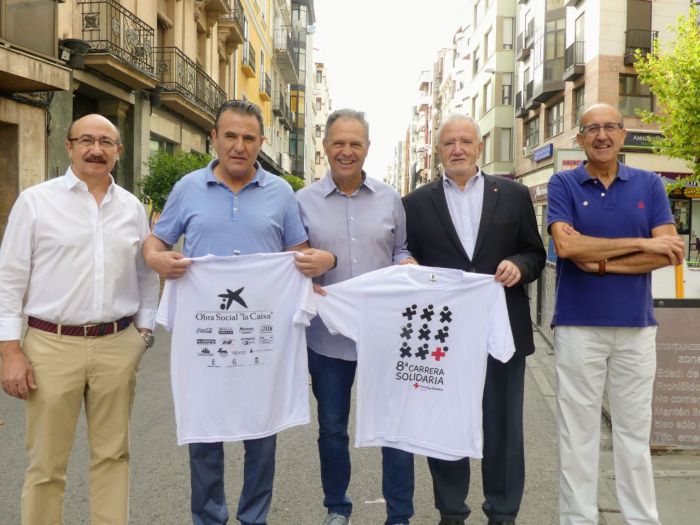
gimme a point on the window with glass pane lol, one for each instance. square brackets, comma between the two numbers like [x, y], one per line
[504, 148]
[488, 97]
[319, 76]
[633, 96]
[476, 61]
[555, 119]
[318, 131]
[579, 103]
[507, 89]
[532, 132]
[554, 49]
[487, 148]
[489, 43]
[508, 23]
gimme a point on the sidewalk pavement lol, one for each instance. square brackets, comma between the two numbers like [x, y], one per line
[676, 474]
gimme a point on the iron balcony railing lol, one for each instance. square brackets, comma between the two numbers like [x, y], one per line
[266, 85]
[529, 90]
[236, 14]
[249, 56]
[641, 39]
[178, 73]
[284, 40]
[281, 109]
[110, 28]
[573, 56]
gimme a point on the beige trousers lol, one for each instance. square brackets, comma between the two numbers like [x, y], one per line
[69, 370]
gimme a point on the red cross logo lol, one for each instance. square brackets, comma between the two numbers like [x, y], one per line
[438, 354]
[416, 385]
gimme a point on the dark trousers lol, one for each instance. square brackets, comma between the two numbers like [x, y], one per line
[503, 464]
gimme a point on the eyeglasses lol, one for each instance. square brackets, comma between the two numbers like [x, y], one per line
[594, 129]
[88, 141]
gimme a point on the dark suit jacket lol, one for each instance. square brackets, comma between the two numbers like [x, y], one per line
[508, 230]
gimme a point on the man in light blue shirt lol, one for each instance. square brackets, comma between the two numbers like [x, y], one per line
[232, 206]
[362, 222]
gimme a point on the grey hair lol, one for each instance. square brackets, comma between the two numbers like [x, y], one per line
[241, 107]
[346, 113]
[459, 117]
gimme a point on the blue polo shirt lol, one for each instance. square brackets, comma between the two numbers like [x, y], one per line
[632, 206]
[262, 217]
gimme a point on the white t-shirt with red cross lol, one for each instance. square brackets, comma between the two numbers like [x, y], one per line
[238, 350]
[423, 336]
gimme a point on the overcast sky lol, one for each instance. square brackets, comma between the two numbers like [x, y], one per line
[374, 51]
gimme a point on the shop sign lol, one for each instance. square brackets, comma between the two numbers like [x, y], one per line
[538, 193]
[544, 152]
[640, 139]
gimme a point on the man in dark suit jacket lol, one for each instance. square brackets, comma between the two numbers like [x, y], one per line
[480, 223]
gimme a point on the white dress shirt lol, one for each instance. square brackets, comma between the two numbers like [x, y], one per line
[65, 260]
[465, 208]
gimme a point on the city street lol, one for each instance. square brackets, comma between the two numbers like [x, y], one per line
[160, 476]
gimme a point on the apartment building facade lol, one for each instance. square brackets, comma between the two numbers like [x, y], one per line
[158, 69]
[322, 108]
[570, 55]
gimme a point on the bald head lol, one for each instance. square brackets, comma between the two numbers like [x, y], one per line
[89, 121]
[611, 112]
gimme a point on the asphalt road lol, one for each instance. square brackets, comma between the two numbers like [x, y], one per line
[160, 472]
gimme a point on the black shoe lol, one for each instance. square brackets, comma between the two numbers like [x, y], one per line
[494, 522]
[450, 521]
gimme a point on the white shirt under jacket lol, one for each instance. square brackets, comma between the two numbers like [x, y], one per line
[66, 261]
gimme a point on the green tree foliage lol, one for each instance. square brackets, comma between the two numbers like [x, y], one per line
[295, 182]
[672, 71]
[164, 170]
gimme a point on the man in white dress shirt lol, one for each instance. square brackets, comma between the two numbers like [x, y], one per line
[71, 261]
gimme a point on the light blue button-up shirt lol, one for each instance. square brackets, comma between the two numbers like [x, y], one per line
[465, 208]
[365, 230]
[261, 217]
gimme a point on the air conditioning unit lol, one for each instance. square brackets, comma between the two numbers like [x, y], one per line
[527, 152]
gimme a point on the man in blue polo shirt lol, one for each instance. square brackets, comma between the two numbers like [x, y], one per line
[232, 206]
[612, 226]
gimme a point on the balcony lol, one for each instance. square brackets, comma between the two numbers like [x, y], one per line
[520, 109]
[281, 109]
[188, 91]
[284, 55]
[248, 60]
[642, 39]
[28, 54]
[522, 51]
[574, 64]
[552, 82]
[265, 87]
[121, 44]
[530, 102]
[233, 23]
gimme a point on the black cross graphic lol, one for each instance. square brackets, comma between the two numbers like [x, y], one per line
[405, 350]
[442, 334]
[424, 333]
[409, 312]
[406, 331]
[445, 315]
[428, 313]
[423, 352]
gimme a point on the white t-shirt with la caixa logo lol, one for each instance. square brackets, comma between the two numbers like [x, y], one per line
[238, 350]
[423, 336]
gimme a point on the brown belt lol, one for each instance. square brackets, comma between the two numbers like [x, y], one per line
[88, 330]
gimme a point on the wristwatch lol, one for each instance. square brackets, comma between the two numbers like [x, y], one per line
[148, 338]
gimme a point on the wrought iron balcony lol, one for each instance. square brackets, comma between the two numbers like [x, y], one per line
[281, 109]
[121, 44]
[248, 60]
[234, 22]
[520, 110]
[574, 62]
[285, 56]
[188, 89]
[265, 87]
[642, 39]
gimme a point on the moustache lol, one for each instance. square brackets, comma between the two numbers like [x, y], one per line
[93, 158]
